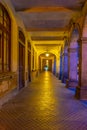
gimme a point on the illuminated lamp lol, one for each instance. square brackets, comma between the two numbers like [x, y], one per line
[47, 54]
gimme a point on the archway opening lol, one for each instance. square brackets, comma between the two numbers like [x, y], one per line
[65, 63]
[47, 62]
[74, 59]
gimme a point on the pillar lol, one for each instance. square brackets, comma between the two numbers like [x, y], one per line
[60, 75]
[54, 71]
[81, 89]
[57, 66]
[52, 65]
[31, 58]
[41, 64]
[73, 82]
[65, 67]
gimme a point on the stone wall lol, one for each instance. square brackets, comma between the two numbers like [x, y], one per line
[8, 82]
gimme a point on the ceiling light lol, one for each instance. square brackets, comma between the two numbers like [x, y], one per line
[47, 54]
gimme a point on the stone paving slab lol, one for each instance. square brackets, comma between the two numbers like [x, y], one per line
[44, 105]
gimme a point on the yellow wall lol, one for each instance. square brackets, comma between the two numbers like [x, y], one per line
[16, 25]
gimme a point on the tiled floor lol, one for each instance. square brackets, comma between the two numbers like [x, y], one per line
[44, 105]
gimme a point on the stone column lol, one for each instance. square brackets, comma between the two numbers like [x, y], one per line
[65, 67]
[73, 82]
[57, 66]
[41, 63]
[54, 66]
[81, 89]
[31, 57]
[60, 75]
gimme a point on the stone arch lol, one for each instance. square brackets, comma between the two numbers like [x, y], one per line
[73, 52]
[75, 35]
[7, 9]
[46, 51]
[51, 59]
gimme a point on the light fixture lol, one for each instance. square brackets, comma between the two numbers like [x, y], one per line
[47, 54]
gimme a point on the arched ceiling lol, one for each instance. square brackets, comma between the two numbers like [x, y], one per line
[51, 55]
[47, 21]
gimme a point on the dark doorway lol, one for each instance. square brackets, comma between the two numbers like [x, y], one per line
[29, 66]
[21, 65]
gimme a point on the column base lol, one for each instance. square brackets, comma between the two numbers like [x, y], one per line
[81, 93]
[71, 83]
[64, 79]
[67, 83]
[77, 93]
[60, 77]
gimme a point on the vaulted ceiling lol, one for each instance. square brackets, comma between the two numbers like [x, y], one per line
[47, 20]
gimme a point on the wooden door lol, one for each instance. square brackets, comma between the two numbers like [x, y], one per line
[21, 65]
[29, 65]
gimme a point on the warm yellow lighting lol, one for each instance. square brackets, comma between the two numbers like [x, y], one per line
[46, 98]
[47, 54]
[46, 61]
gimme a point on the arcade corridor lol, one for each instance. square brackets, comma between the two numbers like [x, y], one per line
[43, 65]
[44, 105]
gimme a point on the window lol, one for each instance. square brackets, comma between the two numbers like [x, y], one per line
[5, 38]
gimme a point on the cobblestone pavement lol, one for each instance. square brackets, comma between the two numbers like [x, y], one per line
[44, 105]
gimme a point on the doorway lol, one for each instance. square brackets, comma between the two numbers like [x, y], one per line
[29, 66]
[21, 65]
